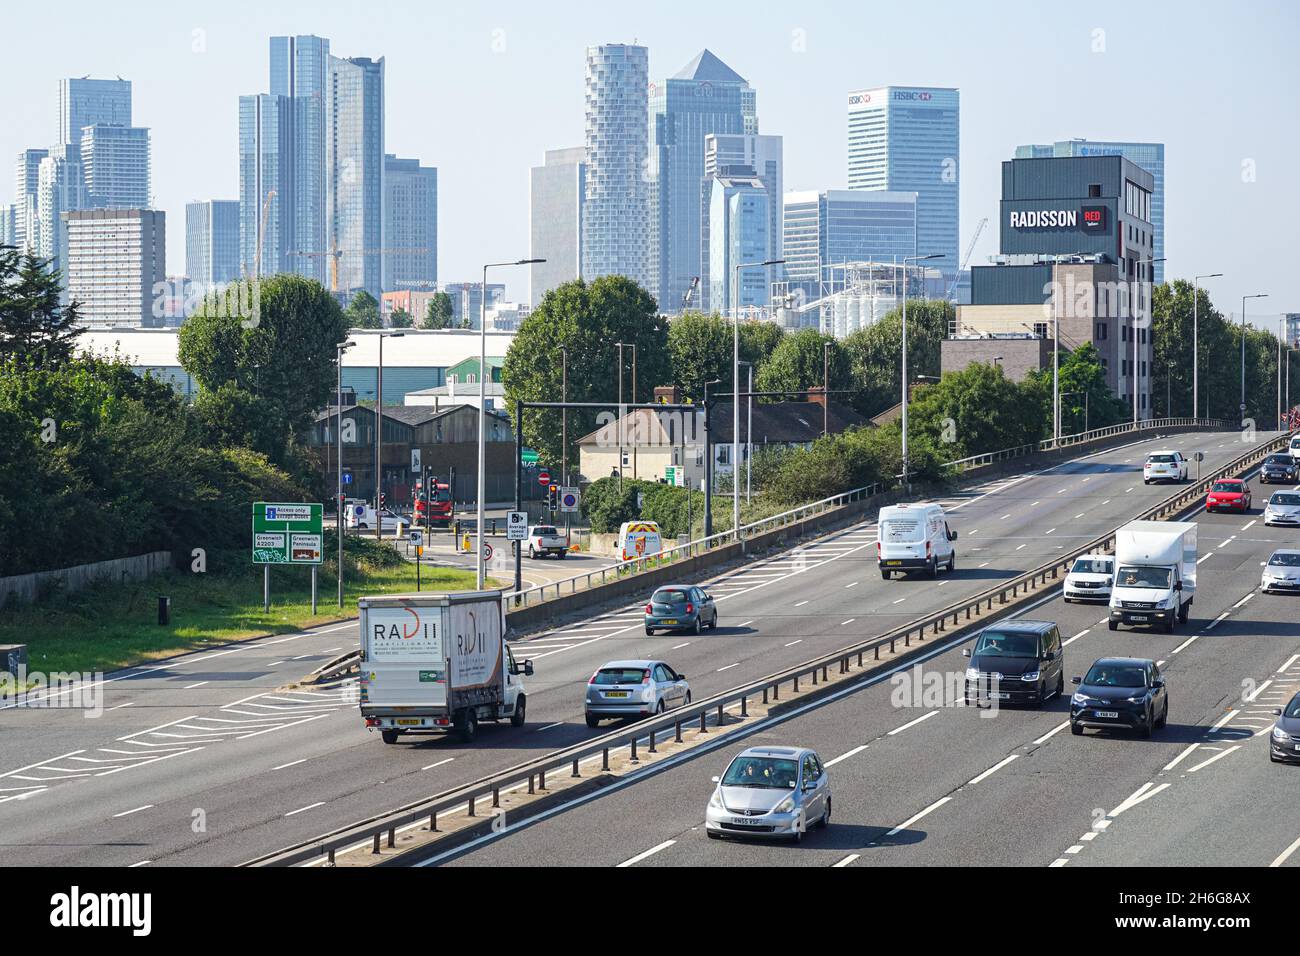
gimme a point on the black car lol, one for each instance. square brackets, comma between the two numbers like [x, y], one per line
[1285, 742]
[1281, 468]
[1016, 662]
[1125, 692]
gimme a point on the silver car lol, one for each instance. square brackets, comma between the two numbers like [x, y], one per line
[634, 689]
[1283, 508]
[770, 792]
[1282, 573]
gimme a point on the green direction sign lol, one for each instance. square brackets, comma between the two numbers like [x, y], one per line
[529, 456]
[287, 533]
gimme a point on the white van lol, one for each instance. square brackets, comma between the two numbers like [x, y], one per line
[1295, 447]
[914, 538]
[638, 539]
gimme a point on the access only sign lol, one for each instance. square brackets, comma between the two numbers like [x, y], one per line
[287, 533]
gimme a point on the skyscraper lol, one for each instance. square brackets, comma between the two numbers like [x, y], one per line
[909, 139]
[85, 102]
[739, 229]
[117, 263]
[1150, 156]
[555, 192]
[115, 160]
[300, 73]
[212, 241]
[60, 189]
[27, 177]
[265, 184]
[615, 212]
[826, 229]
[410, 225]
[706, 96]
[354, 160]
[746, 154]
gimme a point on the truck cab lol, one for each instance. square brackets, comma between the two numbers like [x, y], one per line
[545, 539]
[1155, 574]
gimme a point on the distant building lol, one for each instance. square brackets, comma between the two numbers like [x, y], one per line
[555, 196]
[300, 73]
[7, 225]
[615, 211]
[117, 260]
[410, 225]
[826, 229]
[741, 155]
[265, 184]
[467, 301]
[116, 164]
[1150, 156]
[212, 241]
[1291, 321]
[908, 139]
[60, 188]
[739, 231]
[27, 178]
[88, 102]
[354, 157]
[414, 302]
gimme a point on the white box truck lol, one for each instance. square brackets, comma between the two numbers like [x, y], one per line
[1155, 574]
[435, 662]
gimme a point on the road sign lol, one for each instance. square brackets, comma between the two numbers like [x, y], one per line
[516, 525]
[287, 533]
[675, 475]
[347, 477]
[487, 552]
[543, 477]
[529, 457]
[569, 499]
[416, 538]
[415, 460]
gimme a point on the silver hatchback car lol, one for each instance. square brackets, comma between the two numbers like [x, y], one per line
[634, 689]
[770, 792]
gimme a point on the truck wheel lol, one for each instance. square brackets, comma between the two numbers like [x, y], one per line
[1112, 625]
[1184, 612]
[467, 725]
[884, 574]
[561, 555]
[532, 555]
[933, 571]
[521, 712]
[390, 736]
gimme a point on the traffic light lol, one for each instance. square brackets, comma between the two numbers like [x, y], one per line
[553, 497]
[382, 498]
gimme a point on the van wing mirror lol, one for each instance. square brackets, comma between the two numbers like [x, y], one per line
[952, 535]
[528, 668]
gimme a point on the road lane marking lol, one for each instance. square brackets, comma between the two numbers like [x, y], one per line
[793, 643]
[1223, 720]
[199, 684]
[680, 646]
[993, 769]
[846, 755]
[1249, 698]
[1286, 853]
[853, 585]
[1143, 793]
[1244, 600]
[1055, 730]
[1247, 528]
[439, 763]
[648, 853]
[1215, 623]
[1205, 557]
[853, 856]
[849, 621]
[311, 806]
[800, 603]
[1186, 643]
[928, 810]
[127, 813]
[120, 706]
[1179, 759]
[1218, 756]
[291, 763]
[727, 668]
[558, 723]
[1086, 630]
[1049, 531]
[1287, 666]
[911, 723]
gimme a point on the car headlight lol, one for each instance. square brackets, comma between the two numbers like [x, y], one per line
[1080, 699]
[715, 801]
[1280, 734]
[1031, 675]
[1136, 700]
[972, 674]
[785, 806]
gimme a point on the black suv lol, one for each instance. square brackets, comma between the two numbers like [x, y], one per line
[1016, 662]
[1281, 468]
[1125, 692]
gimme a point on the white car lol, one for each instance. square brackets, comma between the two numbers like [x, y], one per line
[1295, 447]
[1282, 573]
[362, 517]
[1283, 508]
[1164, 466]
[547, 539]
[1090, 578]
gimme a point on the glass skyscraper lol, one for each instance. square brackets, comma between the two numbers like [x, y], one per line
[265, 143]
[833, 227]
[1150, 156]
[410, 225]
[555, 196]
[212, 241]
[706, 96]
[116, 164]
[747, 154]
[615, 210]
[740, 232]
[85, 102]
[909, 139]
[27, 177]
[354, 160]
[60, 189]
[300, 72]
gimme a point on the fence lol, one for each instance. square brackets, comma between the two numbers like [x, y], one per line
[26, 588]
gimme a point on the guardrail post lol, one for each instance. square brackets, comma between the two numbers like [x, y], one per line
[575, 768]
[720, 716]
[652, 748]
[604, 759]
[375, 849]
[392, 837]
[471, 810]
[814, 676]
[496, 797]
[744, 707]
[703, 719]
[531, 789]
[433, 821]
[824, 677]
[541, 780]
[677, 731]
[331, 859]
[796, 683]
[635, 759]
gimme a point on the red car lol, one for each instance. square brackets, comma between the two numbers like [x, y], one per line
[1231, 494]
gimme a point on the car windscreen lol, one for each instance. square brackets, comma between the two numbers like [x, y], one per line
[1226, 486]
[1284, 499]
[1284, 460]
[620, 675]
[1161, 458]
[669, 596]
[1091, 566]
[1007, 644]
[1116, 675]
[1293, 708]
[766, 772]
[1285, 559]
[543, 530]
[1138, 577]
[901, 529]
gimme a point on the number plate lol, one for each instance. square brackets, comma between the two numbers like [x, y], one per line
[746, 821]
[408, 722]
[893, 563]
[669, 620]
[997, 696]
[1110, 714]
[1140, 617]
[616, 693]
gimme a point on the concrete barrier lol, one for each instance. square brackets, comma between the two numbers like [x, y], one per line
[26, 588]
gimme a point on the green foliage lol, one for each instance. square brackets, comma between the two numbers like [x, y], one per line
[1081, 374]
[853, 459]
[35, 331]
[438, 313]
[606, 506]
[795, 365]
[401, 319]
[587, 318]
[758, 340]
[701, 349]
[978, 410]
[876, 352]
[363, 311]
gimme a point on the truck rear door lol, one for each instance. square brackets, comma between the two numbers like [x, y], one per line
[406, 663]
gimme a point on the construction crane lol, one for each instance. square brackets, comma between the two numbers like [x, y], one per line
[261, 235]
[952, 289]
[335, 254]
[690, 292]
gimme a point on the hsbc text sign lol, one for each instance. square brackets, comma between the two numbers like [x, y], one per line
[879, 97]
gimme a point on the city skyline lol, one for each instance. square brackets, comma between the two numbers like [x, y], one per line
[528, 71]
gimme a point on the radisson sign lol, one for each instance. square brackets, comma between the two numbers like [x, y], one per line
[1045, 219]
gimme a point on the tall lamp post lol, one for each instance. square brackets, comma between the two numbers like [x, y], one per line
[1258, 295]
[1287, 356]
[708, 462]
[479, 563]
[339, 349]
[1196, 353]
[906, 259]
[735, 389]
[1137, 314]
[379, 435]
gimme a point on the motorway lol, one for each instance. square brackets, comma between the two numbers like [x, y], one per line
[919, 783]
[200, 761]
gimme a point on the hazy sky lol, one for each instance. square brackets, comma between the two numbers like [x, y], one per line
[481, 90]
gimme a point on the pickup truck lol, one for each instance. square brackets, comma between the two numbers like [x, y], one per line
[546, 539]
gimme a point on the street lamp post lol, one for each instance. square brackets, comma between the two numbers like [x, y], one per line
[1288, 381]
[479, 563]
[708, 462]
[339, 349]
[1196, 354]
[1137, 314]
[1242, 408]
[906, 259]
[735, 388]
[619, 346]
[379, 435]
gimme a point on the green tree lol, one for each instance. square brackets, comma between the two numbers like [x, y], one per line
[796, 365]
[285, 358]
[363, 311]
[438, 313]
[34, 329]
[587, 318]
[1086, 399]
[400, 319]
[758, 340]
[876, 352]
[977, 410]
[700, 346]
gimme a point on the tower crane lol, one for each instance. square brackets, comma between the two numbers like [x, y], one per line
[952, 289]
